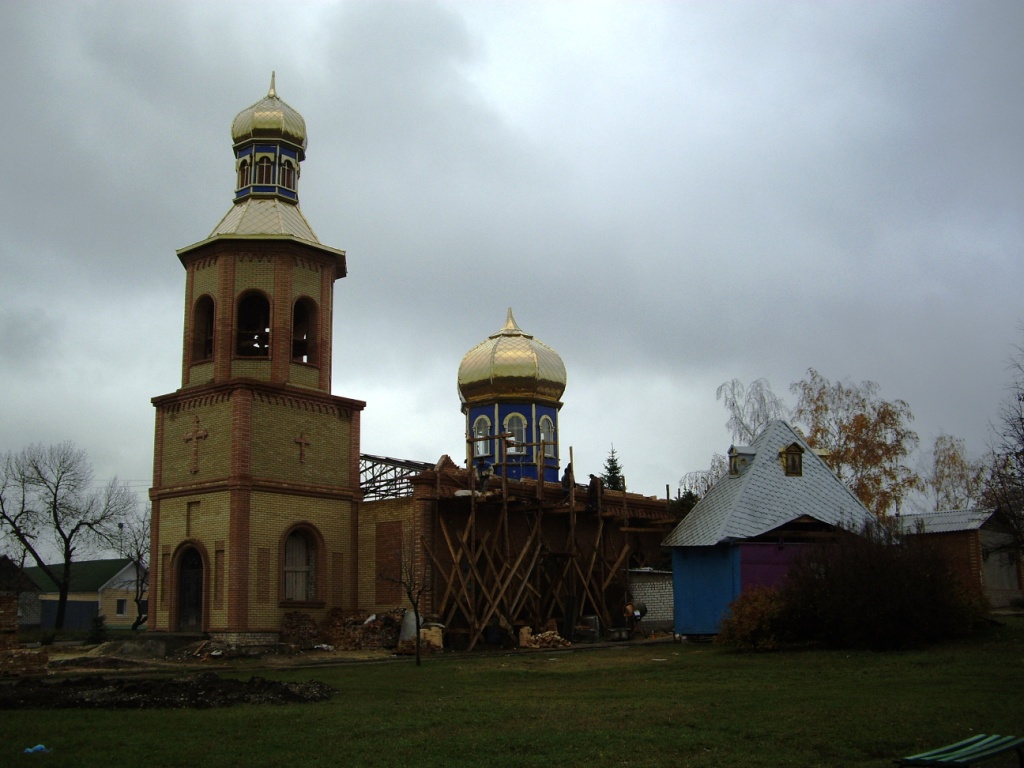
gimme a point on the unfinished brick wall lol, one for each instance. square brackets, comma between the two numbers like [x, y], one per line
[385, 530]
[653, 589]
[8, 620]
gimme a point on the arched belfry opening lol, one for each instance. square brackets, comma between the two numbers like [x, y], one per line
[203, 323]
[304, 327]
[253, 325]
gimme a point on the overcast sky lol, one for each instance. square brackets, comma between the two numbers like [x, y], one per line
[670, 195]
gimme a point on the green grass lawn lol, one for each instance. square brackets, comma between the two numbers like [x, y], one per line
[635, 705]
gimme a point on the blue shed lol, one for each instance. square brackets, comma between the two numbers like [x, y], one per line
[778, 497]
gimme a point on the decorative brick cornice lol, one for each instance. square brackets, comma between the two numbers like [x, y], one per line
[190, 401]
[252, 256]
[204, 263]
[277, 394]
[262, 248]
[334, 492]
[303, 404]
[310, 264]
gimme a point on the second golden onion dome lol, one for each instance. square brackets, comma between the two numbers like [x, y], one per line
[511, 365]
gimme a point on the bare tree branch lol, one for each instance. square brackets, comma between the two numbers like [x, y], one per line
[47, 500]
[751, 408]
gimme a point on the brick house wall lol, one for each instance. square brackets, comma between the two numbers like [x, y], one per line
[654, 589]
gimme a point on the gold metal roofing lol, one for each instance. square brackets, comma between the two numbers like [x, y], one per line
[265, 216]
[269, 118]
[511, 365]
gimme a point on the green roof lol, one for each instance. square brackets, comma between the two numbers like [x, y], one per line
[86, 575]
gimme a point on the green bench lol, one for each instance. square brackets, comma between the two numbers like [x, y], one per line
[969, 751]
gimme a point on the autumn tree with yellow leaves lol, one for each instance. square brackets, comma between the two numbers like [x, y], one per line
[956, 480]
[865, 439]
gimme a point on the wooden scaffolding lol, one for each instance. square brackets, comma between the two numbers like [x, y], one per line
[529, 553]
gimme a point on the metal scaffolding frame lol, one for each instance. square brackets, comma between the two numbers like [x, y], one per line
[383, 477]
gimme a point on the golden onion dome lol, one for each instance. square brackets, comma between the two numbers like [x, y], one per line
[269, 118]
[511, 365]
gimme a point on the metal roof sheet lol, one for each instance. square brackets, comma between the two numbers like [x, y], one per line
[762, 497]
[265, 216]
[946, 521]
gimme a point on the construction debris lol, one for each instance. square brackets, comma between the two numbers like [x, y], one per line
[18, 662]
[549, 639]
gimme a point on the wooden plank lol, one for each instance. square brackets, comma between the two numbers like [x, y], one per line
[967, 752]
[615, 568]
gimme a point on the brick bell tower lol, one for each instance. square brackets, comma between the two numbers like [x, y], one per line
[256, 465]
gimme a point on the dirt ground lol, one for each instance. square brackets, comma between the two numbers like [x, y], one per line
[128, 676]
[131, 675]
[200, 690]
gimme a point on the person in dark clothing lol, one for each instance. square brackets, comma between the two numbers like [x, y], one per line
[594, 494]
[567, 479]
[483, 475]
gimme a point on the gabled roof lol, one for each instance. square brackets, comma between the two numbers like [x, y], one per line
[762, 497]
[947, 521]
[13, 578]
[86, 575]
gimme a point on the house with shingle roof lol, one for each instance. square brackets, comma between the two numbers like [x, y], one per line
[980, 547]
[104, 587]
[778, 498]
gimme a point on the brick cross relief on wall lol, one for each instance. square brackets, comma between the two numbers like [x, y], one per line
[303, 443]
[197, 434]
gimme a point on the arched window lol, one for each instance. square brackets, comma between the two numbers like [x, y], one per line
[243, 174]
[264, 171]
[547, 436]
[288, 174]
[482, 428]
[304, 332]
[202, 329]
[253, 326]
[299, 566]
[515, 424]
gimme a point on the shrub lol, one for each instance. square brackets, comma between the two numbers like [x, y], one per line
[754, 621]
[873, 591]
[98, 631]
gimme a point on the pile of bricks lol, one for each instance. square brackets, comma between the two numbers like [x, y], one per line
[299, 629]
[431, 641]
[549, 639]
[21, 661]
[342, 630]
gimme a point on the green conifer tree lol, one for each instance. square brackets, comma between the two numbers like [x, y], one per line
[612, 475]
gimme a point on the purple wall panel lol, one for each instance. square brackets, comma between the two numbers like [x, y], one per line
[766, 564]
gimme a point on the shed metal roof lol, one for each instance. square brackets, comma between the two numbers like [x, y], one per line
[762, 497]
[946, 521]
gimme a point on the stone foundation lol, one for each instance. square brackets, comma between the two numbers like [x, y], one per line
[246, 639]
